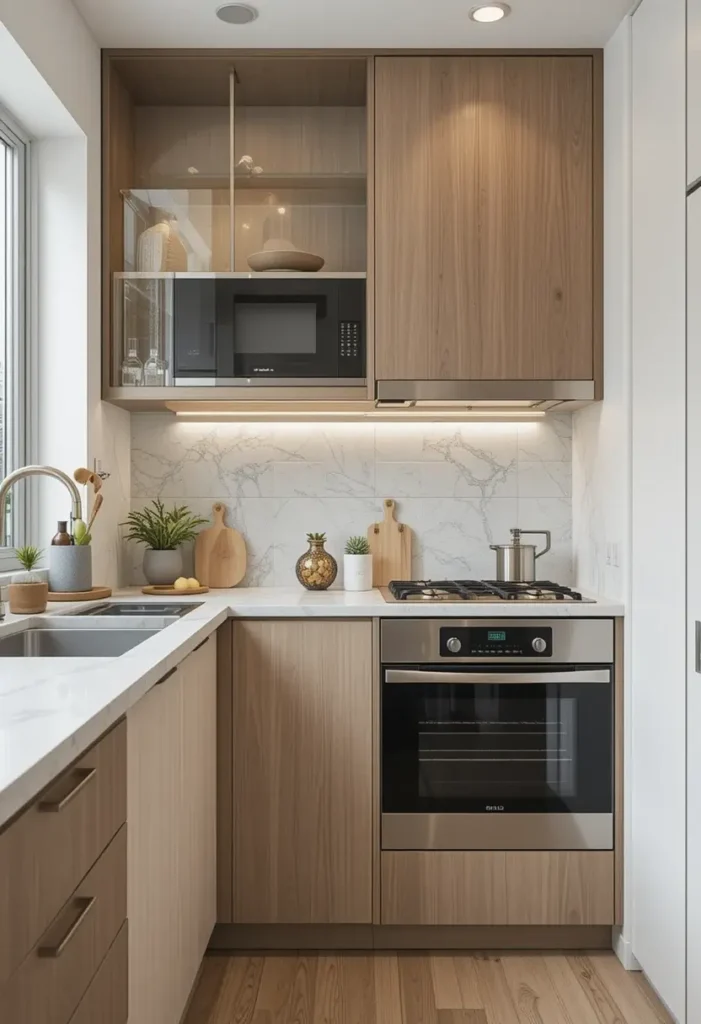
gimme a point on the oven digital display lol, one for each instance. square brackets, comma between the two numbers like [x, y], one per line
[497, 637]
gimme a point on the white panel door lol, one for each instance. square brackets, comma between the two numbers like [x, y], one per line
[694, 608]
[694, 90]
[658, 550]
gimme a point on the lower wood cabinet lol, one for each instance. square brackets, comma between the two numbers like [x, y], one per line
[502, 888]
[171, 812]
[301, 762]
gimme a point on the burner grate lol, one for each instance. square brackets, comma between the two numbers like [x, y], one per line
[480, 590]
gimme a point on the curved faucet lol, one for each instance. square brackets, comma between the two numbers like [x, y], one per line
[20, 474]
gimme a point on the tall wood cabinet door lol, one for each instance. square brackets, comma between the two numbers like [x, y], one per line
[302, 772]
[153, 806]
[197, 859]
[484, 217]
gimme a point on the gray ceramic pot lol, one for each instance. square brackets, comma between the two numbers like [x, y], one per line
[162, 568]
[70, 568]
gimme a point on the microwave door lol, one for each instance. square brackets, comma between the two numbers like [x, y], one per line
[194, 329]
[279, 336]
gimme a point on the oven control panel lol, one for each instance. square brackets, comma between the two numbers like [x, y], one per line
[496, 642]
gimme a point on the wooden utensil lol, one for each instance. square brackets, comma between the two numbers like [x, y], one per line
[84, 476]
[220, 553]
[390, 543]
[97, 505]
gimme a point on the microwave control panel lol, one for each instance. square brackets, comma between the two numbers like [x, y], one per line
[349, 343]
[496, 642]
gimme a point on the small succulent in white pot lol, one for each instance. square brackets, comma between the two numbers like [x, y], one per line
[28, 592]
[357, 565]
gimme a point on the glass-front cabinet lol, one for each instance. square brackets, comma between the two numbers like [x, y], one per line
[230, 167]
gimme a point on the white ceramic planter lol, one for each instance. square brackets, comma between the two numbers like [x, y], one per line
[357, 572]
[161, 568]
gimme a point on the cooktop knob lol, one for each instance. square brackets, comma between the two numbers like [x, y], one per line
[453, 645]
[539, 645]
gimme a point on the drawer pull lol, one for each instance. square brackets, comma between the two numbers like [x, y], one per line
[85, 905]
[202, 643]
[166, 676]
[85, 775]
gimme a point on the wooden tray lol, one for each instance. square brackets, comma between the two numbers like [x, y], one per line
[96, 594]
[158, 591]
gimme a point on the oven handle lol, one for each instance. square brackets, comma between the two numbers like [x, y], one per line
[559, 676]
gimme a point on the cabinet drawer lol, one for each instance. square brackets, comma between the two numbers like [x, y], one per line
[49, 984]
[501, 888]
[52, 845]
[107, 999]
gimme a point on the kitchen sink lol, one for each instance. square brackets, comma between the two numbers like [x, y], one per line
[42, 642]
[141, 608]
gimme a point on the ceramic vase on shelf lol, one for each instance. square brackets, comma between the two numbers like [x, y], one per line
[161, 568]
[160, 248]
[316, 569]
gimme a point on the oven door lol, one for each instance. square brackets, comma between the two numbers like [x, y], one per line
[497, 759]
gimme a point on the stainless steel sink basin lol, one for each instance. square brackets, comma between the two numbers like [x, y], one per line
[44, 642]
[140, 608]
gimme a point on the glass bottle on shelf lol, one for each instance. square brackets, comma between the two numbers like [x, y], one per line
[154, 370]
[132, 367]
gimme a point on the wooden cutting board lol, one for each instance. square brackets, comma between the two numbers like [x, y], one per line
[390, 543]
[220, 553]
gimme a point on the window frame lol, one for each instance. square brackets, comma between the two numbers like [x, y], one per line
[16, 374]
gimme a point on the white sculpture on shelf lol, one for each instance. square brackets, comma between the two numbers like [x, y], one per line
[160, 248]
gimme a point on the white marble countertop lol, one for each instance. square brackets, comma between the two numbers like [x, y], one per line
[52, 709]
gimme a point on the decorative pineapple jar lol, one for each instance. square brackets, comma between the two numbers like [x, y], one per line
[316, 569]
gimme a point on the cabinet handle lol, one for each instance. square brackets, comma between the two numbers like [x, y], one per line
[53, 806]
[166, 676]
[85, 905]
[201, 644]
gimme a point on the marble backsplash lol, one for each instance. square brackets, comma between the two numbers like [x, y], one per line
[461, 487]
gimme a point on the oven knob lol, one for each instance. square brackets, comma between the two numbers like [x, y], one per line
[453, 645]
[539, 645]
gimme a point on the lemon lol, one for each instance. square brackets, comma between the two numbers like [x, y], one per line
[181, 583]
[193, 584]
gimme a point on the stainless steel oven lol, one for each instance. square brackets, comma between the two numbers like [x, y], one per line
[497, 734]
[285, 329]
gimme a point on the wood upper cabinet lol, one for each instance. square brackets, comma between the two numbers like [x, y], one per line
[302, 772]
[171, 814]
[485, 236]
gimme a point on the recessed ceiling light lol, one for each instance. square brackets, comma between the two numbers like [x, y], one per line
[237, 14]
[490, 12]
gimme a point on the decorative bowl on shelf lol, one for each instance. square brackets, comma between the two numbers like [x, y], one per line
[279, 254]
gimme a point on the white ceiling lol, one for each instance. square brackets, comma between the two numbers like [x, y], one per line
[352, 23]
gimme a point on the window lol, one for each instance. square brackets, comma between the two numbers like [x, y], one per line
[13, 334]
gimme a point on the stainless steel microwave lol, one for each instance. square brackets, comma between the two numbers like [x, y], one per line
[231, 331]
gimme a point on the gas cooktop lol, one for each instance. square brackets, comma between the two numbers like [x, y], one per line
[479, 590]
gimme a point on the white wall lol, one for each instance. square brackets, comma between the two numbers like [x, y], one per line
[50, 78]
[658, 608]
[601, 445]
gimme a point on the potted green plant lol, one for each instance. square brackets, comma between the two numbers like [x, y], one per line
[163, 531]
[357, 565]
[28, 593]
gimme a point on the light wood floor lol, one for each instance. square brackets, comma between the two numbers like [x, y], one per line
[422, 989]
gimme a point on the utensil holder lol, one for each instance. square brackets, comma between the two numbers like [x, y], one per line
[70, 568]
